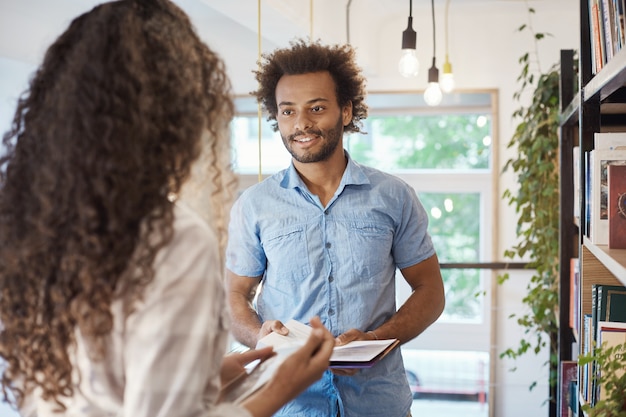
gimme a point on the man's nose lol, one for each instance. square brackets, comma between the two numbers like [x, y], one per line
[303, 122]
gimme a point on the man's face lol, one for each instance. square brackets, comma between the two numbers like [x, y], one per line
[309, 118]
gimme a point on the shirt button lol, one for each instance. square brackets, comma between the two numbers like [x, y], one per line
[331, 311]
[328, 245]
[331, 278]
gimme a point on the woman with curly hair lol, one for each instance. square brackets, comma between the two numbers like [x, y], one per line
[112, 300]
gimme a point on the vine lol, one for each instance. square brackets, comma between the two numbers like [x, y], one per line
[610, 362]
[536, 202]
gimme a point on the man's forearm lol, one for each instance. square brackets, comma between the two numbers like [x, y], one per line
[422, 308]
[418, 312]
[245, 324]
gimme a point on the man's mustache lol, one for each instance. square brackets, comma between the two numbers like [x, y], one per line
[308, 132]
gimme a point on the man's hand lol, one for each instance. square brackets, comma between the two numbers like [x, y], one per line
[270, 326]
[347, 337]
[352, 335]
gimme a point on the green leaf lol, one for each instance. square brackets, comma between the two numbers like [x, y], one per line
[535, 197]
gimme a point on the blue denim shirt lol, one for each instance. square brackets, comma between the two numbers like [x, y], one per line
[337, 262]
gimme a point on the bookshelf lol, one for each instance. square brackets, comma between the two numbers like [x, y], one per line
[599, 105]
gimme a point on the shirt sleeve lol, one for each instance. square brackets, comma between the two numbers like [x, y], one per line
[244, 253]
[412, 242]
[176, 337]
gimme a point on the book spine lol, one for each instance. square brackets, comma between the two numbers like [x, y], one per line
[596, 38]
[607, 29]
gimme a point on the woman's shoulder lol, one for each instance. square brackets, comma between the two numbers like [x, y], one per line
[192, 236]
[187, 220]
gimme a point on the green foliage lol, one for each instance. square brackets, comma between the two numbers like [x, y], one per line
[611, 363]
[536, 202]
[450, 141]
[456, 235]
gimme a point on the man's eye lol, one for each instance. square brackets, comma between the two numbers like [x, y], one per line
[317, 109]
[286, 112]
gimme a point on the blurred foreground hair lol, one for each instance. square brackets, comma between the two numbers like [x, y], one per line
[126, 99]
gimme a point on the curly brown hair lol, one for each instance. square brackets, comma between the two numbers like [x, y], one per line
[304, 57]
[108, 129]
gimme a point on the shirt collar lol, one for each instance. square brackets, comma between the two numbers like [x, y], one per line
[353, 175]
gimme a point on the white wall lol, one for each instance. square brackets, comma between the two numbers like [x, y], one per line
[14, 76]
[484, 47]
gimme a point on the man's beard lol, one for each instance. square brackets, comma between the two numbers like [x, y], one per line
[330, 141]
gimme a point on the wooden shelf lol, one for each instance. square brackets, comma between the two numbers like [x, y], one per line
[610, 79]
[614, 260]
[598, 267]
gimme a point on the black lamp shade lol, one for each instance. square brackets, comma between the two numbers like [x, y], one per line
[409, 36]
[433, 73]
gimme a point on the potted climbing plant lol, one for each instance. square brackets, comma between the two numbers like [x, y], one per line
[536, 201]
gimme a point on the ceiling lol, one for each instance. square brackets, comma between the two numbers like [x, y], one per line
[220, 21]
[230, 27]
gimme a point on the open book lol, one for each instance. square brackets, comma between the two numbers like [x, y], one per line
[356, 354]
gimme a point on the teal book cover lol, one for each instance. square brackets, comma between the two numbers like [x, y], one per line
[611, 303]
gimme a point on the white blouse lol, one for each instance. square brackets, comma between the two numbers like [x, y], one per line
[164, 358]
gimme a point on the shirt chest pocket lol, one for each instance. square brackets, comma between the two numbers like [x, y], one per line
[370, 246]
[287, 253]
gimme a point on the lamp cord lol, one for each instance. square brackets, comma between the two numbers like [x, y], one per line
[348, 21]
[259, 110]
[446, 27]
[432, 4]
[311, 20]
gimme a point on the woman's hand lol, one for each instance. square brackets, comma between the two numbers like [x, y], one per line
[233, 365]
[307, 364]
[299, 370]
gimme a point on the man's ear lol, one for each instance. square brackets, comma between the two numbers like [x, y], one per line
[346, 113]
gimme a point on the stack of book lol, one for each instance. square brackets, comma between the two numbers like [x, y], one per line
[605, 326]
[606, 20]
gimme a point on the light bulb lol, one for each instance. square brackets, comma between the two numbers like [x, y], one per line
[447, 82]
[409, 65]
[433, 94]
[447, 78]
